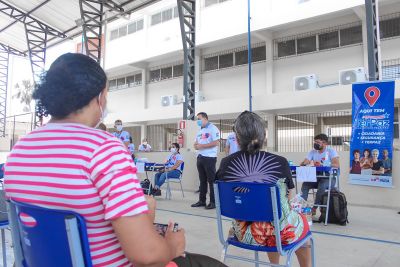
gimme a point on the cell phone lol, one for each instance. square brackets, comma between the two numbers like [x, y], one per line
[162, 228]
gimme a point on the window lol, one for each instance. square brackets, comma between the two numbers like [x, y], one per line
[258, 54]
[225, 61]
[138, 78]
[241, 57]
[210, 2]
[166, 73]
[114, 34]
[122, 31]
[132, 28]
[352, 35]
[328, 40]
[121, 82]
[167, 15]
[176, 12]
[139, 25]
[155, 75]
[306, 45]
[286, 48]
[389, 28]
[178, 70]
[156, 18]
[130, 80]
[211, 63]
[112, 84]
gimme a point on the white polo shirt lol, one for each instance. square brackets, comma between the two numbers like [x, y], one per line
[231, 141]
[327, 154]
[206, 135]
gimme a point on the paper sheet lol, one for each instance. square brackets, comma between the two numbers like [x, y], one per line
[306, 174]
[140, 167]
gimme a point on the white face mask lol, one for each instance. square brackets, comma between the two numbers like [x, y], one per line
[173, 149]
[102, 111]
[119, 128]
[145, 143]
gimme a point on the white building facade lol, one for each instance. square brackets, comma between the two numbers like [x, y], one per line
[321, 42]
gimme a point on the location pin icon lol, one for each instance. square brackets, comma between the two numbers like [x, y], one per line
[372, 95]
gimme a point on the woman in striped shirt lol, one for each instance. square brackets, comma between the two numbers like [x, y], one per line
[67, 164]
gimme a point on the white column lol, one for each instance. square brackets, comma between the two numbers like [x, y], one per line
[143, 132]
[197, 74]
[269, 64]
[144, 87]
[271, 139]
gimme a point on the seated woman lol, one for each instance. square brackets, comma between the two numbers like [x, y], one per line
[252, 165]
[172, 169]
[69, 165]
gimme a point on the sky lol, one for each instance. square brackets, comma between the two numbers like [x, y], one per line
[20, 69]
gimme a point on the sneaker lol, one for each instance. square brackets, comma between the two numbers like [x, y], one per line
[198, 204]
[157, 192]
[210, 206]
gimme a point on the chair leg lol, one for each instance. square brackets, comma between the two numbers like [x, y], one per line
[256, 258]
[180, 182]
[3, 245]
[223, 254]
[289, 258]
[168, 191]
[312, 252]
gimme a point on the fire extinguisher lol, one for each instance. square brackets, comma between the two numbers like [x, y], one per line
[180, 139]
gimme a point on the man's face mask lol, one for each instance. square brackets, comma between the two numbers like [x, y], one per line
[118, 127]
[318, 146]
[199, 123]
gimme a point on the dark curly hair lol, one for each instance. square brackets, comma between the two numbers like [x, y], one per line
[72, 81]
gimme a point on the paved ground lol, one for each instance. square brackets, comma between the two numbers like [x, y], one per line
[371, 239]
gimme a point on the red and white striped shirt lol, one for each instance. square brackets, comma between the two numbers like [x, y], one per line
[73, 167]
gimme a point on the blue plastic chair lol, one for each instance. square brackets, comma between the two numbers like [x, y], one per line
[168, 193]
[3, 226]
[256, 202]
[47, 237]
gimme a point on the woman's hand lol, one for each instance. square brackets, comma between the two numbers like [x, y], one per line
[151, 203]
[176, 240]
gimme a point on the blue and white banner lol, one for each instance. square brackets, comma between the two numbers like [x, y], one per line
[372, 134]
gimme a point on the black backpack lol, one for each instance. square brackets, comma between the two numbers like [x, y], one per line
[337, 208]
[146, 185]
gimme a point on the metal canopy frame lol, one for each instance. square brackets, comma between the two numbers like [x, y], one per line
[92, 12]
[187, 20]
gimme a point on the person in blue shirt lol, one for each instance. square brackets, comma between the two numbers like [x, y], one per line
[206, 143]
[321, 155]
[172, 169]
[120, 134]
[231, 145]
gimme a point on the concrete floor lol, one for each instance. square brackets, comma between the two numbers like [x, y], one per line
[371, 239]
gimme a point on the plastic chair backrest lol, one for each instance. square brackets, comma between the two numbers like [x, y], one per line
[51, 237]
[248, 201]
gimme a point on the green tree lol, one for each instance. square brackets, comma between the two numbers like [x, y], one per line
[24, 92]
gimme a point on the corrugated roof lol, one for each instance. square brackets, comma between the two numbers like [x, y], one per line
[61, 15]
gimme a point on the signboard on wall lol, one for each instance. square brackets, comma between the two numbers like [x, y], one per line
[372, 134]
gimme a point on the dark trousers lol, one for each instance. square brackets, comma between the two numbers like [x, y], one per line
[207, 169]
[197, 260]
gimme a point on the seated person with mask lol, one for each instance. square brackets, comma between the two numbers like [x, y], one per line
[321, 155]
[172, 169]
[144, 147]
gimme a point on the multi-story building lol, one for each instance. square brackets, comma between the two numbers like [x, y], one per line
[305, 56]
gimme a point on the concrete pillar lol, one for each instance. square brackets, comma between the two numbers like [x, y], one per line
[144, 87]
[143, 132]
[197, 72]
[360, 12]
[269, 64]
[319, 126]
[271, 138]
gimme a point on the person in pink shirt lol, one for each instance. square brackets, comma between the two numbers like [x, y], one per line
[69, 165]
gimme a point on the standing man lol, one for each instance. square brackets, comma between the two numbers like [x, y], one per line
[231, 145]
[124, 136]
[207, 141]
